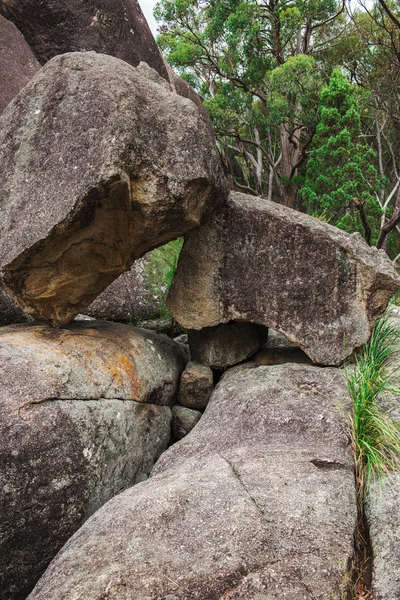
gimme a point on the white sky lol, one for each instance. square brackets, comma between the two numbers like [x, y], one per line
[147, 7]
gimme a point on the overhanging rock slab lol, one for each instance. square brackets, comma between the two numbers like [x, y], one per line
[260, 262]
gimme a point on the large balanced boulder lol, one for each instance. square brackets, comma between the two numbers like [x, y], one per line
[257, 502]
[261, 262]
[84, 413]
[101, 162]
[18, 64]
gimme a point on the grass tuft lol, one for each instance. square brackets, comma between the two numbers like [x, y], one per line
[375, 436]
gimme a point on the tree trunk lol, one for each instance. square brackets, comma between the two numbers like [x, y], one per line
[290, 149]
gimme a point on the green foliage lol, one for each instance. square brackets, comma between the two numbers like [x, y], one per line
[375, 436]
[252, 64]
[160, 270]
[341, 168]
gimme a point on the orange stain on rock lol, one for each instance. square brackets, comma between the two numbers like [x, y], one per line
[124, 370]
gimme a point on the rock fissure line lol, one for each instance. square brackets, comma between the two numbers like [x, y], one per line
[362, 563]
[237, 476]
[24, 406]
[327, 465]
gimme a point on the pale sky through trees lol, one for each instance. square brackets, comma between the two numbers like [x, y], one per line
[147, 7]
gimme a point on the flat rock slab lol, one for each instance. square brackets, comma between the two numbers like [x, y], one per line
[18, 64]
[260, 262]
[101, 162]
[256, 502]
[83, 416]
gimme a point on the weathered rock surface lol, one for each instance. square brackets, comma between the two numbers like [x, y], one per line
[196, 386]
[226, 344]
[18, 64]
[183, 420]
[83, 415]
[115, 27]
[257, 502]
[101, 162]
[127, 297]
[261, 262]
[382, 510]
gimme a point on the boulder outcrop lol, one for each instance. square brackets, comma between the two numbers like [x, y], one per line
[101, 162]
[84, 414]
[18, 64]
[260, 262]
[114, 27]
[256, 502]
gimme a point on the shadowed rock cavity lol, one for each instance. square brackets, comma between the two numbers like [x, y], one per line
[242, 508]
[260, 262]
[226, 344]
[101, 163]
[84, 414]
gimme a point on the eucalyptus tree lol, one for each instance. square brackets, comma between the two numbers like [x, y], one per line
[256, 64]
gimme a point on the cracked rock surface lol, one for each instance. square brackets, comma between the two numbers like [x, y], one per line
[101, 163]
[257, 502]
[84, 414]
[261, 262]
